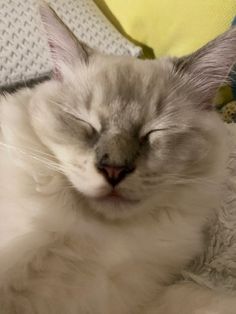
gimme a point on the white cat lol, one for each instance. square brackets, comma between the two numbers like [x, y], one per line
[108, 174]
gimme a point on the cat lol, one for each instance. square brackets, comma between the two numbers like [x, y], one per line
[109, 172]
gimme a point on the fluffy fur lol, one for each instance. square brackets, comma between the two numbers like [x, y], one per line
[68, 243]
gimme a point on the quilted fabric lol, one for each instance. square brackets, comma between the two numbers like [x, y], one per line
[24, 53]
[216, 267]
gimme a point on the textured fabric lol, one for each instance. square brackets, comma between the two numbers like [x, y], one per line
[216, 268]
[24, 53]
[233, 75]
[171, 27]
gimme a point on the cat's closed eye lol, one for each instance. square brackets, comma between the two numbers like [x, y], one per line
[77, 125]
[144, 138]
[86, 124]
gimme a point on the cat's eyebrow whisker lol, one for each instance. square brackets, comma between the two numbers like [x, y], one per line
[64, 107]
[58, 104]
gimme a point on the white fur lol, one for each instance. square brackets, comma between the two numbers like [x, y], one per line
[58, 256]
[65, 251]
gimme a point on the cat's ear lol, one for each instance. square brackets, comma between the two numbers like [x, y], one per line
[208, 68]
[65, 47]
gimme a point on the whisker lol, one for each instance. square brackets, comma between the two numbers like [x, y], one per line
[64, 107]
[49, 163]
[179, 179]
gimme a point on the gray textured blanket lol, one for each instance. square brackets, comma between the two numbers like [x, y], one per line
[216, 268]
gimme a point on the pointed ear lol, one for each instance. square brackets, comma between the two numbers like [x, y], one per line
[65, 47]
[208, 68]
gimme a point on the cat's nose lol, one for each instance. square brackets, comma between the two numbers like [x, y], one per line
[114, 174]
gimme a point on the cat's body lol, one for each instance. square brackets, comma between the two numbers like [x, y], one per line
[72, 261]
[108, 175]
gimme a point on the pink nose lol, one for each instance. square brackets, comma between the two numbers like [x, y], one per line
[114, 174]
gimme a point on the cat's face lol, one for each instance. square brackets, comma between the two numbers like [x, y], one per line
[128, 133]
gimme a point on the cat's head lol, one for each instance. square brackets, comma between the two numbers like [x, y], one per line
[133, 135]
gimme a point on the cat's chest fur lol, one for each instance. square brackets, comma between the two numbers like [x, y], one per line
[99, 267]
[108, 268]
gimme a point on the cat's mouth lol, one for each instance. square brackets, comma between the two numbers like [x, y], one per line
[117, 197]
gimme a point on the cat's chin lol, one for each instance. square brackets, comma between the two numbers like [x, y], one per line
[115, 197]
[115, 205]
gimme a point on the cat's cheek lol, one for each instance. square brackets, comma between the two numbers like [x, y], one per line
[89, 183]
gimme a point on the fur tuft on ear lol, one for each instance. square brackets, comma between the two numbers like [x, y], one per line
[65, 47]
[208, 68]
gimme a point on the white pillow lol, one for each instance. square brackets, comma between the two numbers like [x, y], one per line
[24, 52]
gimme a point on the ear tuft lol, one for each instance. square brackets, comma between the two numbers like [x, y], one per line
[64, 46]
[208, 68]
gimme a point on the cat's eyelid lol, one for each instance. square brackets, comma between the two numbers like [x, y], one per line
[76, 117]
[155, 130]
[150, 129]
[145, 135]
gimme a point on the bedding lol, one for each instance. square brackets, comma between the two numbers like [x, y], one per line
[24, 52]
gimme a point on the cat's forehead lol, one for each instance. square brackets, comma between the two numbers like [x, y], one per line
[118, 85]
[130, 77]
[120, 91]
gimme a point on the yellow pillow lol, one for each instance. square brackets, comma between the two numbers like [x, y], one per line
[170, 27]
